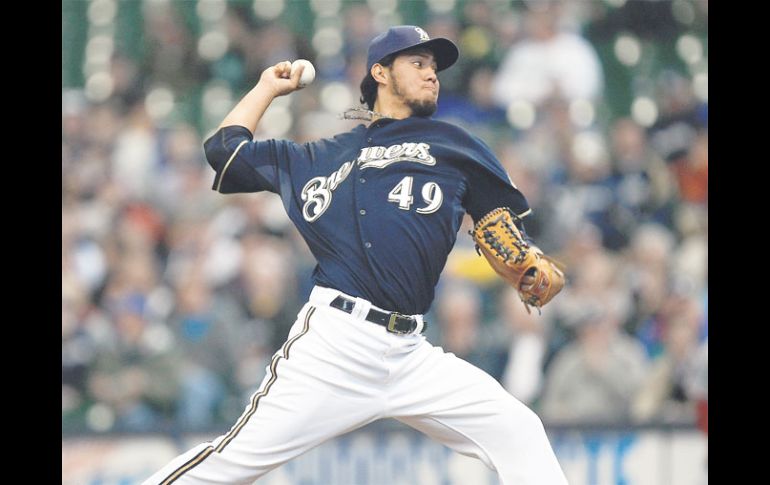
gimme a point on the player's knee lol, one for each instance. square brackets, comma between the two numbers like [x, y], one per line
[520, 419]
[532, 422]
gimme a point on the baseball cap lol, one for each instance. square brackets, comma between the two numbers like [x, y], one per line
[403, 37]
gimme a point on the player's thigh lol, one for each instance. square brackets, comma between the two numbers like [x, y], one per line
[432, 381]
[457, 403]
[302, 401]
[307, 394]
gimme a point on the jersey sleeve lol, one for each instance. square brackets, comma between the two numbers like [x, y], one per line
[244, 165]
[488, 184]
[486, 193]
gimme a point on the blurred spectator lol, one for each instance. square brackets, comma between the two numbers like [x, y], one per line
[170, 47]
[548, 62]
[584, 242]
[690, 269]
[181, 182]
[523, 374]
[476, 110]
[459, 310]
[681, 116]
[646, 274]
[663, 396]
[692, 171]
[644, 189]
[206, 329]
[359, 30]
[135, 157]
[136, 376]
[276, 43]
[265, 287]
[78, 348]
[697, 385]
[594, 379]
[593, 276]
[697, 388]
[241, 65]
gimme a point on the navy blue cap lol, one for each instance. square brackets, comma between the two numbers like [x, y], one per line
[404, 37]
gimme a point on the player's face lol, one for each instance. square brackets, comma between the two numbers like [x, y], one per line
[415, 83]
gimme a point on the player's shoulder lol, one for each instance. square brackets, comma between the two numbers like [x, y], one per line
[475, 150]
[459, 134]
[340, 141]
[343, 138]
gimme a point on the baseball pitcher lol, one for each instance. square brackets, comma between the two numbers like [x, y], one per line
[380, 208]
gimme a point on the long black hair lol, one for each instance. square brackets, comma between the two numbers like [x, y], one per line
[369, 85]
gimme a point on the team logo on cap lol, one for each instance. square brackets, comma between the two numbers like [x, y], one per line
[423, 35]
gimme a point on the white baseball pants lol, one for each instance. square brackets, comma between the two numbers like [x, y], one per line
[338, 372]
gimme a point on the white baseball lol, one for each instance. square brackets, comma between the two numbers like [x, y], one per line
[308, 73]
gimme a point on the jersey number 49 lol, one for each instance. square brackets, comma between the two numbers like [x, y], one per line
[402, 195]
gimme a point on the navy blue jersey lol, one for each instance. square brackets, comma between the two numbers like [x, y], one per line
[379, 206]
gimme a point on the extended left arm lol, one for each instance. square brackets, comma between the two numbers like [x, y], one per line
[537, 277]
[497, 209]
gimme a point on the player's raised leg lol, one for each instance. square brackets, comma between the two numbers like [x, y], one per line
[308, 396]
[464, 408]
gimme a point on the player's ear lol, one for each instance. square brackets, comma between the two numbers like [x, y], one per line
[379, 73]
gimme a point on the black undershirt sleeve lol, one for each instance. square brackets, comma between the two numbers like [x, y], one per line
[487, 192]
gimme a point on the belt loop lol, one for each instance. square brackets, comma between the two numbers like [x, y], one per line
[420, 325]
[361, 309]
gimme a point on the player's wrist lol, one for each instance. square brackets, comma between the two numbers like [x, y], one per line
[265, 90]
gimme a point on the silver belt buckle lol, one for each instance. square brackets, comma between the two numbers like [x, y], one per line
[392, 323]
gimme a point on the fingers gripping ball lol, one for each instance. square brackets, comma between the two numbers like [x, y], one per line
[308, 72]
[502, 244]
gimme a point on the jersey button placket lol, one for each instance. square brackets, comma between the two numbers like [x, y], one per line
[361, 211]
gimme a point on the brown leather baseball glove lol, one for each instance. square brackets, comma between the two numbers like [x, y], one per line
[535, 276]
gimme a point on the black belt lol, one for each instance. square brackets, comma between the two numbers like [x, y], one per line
[395, 322]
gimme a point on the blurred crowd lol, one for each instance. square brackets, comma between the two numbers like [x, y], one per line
[174, 297]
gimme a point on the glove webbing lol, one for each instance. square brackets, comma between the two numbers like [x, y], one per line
[494, 241]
